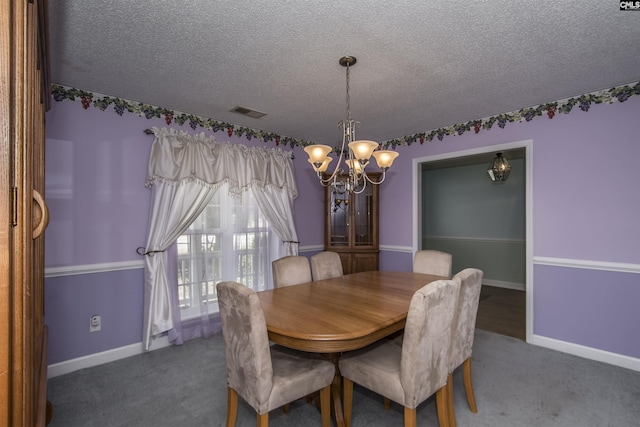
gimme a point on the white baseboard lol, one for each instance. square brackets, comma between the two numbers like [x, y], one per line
[96, 359]
[502, 284]
[587, 352]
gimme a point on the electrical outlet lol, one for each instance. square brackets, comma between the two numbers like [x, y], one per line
[95, 323]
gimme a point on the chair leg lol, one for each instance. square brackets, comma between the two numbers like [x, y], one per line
[409, 417]
[347, 400]
[468, 385]
[450, 408]
[285, 408]
[325, 406]
[441, 407]
[262, 420]
[387, 404]
[232, 407]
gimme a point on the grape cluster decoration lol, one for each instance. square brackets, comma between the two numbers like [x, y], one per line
[120, 106]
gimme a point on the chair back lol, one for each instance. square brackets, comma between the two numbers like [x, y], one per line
[249, 366]
[291, 270]
[427, 338]
[464, 319]
[326, 265]
[432, 262]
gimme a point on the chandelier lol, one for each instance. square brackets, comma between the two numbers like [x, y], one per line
[356, 154]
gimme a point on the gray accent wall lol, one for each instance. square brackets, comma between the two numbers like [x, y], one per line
[480, 223]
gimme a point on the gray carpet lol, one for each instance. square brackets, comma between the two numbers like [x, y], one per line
[516, 384]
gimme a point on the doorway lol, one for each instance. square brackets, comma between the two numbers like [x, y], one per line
[471, 250]
[502, 311]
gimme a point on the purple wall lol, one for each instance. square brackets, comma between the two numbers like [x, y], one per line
[95, 185]
[585, 182]
[594, 308]
[71, 300]
[95, 173]
[585, 205]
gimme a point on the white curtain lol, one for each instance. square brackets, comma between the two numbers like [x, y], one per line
[184, 172]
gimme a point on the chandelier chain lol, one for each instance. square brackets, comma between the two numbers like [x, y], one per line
[348, 96]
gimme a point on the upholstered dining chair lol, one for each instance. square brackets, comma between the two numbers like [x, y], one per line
[291, 270]
[430, 261]
[326, 265]
[463, 331]
[288, 271]
[412, 373]
[427, 261]
[265, 377]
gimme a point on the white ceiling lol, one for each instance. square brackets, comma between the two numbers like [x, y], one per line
[421, 64]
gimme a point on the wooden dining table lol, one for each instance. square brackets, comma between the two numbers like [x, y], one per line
[345, 313]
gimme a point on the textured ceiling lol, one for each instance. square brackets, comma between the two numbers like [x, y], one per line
[421, 64]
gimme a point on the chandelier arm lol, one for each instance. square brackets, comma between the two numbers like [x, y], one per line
[327, 181]
[337, 169]
[323, 182]
[364, 187]
[384, 174]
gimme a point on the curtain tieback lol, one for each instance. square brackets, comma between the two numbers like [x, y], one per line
[142, 251]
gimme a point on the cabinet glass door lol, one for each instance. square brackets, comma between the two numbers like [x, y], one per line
[339, 214]
[363, 217]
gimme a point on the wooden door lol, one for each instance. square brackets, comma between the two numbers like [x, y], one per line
[24, 97]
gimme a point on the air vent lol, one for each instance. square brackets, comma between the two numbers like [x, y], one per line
[248, 112]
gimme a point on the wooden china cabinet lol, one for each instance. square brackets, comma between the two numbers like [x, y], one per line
[351, 226]
[24, 98]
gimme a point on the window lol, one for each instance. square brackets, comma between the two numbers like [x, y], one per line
[230, 240]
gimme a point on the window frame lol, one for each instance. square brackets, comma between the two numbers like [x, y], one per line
[226, 240]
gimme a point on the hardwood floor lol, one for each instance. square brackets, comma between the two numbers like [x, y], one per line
[502, 311]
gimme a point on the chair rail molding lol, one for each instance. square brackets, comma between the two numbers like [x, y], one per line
[392, 248]
[72, 270]
[588, 264]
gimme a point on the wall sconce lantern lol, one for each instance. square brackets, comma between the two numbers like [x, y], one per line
[499, 169]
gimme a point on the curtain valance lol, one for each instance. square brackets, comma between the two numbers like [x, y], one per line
[177, 156]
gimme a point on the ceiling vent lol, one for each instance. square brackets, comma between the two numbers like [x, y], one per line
[248, 112]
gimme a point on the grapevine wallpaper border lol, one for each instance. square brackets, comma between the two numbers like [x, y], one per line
[120, 106]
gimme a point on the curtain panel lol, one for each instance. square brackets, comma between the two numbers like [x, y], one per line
[184, 172]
